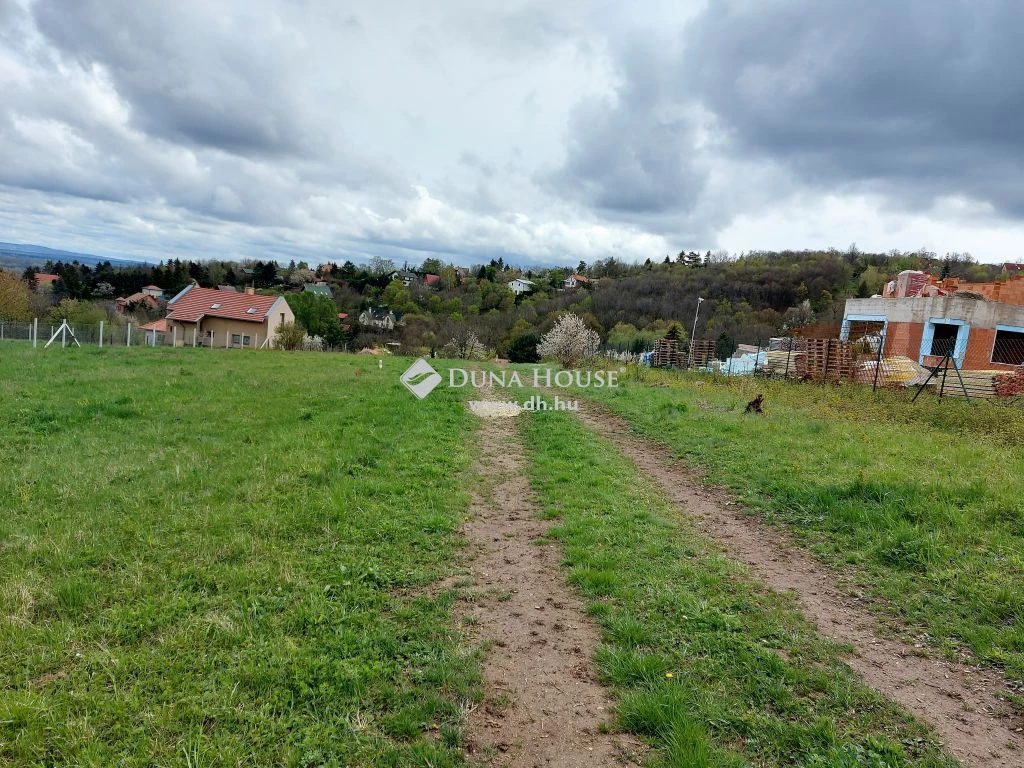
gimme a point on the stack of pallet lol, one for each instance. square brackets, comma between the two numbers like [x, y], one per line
[828, 360]
[785, 356]
[667, 354]
[702, 353]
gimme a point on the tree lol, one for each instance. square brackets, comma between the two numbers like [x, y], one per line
[301, 276]
[289, 336]
[431, 266]
[380, 266]
[14, 298]
[523, 349]
[465, 344]
[397, 298]
[76, 312]
[725, 346]
[570, 341]
[318, 315]
[266, 274]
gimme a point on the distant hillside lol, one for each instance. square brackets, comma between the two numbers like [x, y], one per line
[18, 256]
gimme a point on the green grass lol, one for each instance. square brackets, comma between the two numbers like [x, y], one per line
[219, 558]
[705, 664]
[921, 503]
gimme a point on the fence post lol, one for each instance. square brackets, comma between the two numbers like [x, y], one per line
[227, 340]
[878, 362]
[174, 336]
[128, 336]
[195, 332]
[101, 334]
[35, 332]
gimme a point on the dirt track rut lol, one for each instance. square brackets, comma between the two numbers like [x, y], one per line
[543, 704]
[959, 701]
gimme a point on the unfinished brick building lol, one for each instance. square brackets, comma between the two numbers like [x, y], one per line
[921, 317]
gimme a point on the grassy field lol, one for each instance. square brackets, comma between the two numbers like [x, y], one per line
[920, 503]
[216, 558]
[711, 668]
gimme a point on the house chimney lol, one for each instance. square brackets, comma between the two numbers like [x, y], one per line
[250, 289]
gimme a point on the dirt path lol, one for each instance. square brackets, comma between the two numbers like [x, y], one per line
[543, 705]
[957, 700]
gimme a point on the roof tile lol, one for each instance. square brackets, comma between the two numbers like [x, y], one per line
[198, 302]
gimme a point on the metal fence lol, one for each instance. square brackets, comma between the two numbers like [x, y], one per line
[42, 333]
[861, 359]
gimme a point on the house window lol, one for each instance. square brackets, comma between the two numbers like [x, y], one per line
[943, 339]
[282, 318]
[236, 338]
[1009, 348]
[246, 341]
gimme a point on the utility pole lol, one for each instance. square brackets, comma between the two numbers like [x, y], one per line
[694, 332]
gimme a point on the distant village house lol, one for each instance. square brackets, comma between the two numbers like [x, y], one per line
[150, 298]
[575, 280]
[520, 286]
[208, 317]
[380, 318]
[318, 288]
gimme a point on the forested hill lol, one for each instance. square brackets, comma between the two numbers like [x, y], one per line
[748, 297]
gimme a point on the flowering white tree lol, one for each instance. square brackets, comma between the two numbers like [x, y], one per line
[465, 344]
[570, 341]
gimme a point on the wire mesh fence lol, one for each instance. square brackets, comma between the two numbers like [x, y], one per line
[860, 359]
[42, 333]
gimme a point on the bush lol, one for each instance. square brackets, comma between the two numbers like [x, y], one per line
[524, 349]
[289, 336]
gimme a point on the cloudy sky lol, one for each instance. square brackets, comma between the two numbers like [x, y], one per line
[543, 132]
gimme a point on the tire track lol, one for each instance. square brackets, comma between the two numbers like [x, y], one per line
[543, 705]
[959, 701]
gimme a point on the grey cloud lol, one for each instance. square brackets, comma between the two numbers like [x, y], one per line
[188, 74]
[637, 156]
[914, 98]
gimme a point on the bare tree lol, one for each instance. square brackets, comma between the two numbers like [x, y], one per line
[465, 344]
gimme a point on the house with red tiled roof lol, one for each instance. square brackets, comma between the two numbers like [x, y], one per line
[1010, 268]
[139, 299]
[211, 318]
[152, 330]
[575, 280]
[44, 281]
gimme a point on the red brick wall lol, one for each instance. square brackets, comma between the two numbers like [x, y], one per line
[905, 339]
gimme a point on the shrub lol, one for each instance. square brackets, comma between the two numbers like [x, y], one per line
[289, 336]
[524, 349]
